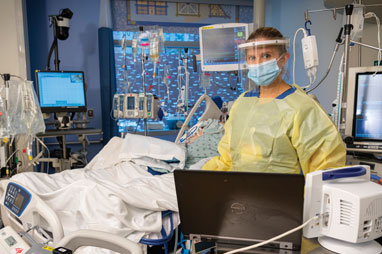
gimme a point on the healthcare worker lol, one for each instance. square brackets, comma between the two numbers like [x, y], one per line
[273, 126]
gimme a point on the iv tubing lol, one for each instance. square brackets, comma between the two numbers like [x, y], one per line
[294, 50]
[187, 78]
[327, 72]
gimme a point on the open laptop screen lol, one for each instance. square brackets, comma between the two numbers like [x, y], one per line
[240, 207]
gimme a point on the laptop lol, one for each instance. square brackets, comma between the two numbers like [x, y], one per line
[237, 209]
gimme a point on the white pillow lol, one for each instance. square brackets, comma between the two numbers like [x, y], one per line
[138, 147]
[106, 157]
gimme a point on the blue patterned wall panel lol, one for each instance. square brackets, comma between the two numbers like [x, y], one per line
[223, 84]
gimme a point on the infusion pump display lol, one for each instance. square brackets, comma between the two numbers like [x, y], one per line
[16, 198]
[132, 105]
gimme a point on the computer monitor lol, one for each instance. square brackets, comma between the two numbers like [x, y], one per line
[61, 91]
[218, 46]
[364, 109]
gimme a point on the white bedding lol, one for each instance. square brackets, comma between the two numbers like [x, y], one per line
[112, 193]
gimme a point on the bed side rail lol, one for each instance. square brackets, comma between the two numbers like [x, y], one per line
[211, 112]
[34, 215]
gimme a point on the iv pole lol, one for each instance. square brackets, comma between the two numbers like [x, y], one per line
[187, 78]
[143, 84]
[347, 31]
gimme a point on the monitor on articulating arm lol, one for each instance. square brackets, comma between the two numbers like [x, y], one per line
[218, 46]
[364, 109]
[61, 91]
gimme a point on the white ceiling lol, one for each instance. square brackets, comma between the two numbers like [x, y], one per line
[341, 3]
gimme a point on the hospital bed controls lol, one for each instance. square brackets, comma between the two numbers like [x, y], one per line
[16, 198]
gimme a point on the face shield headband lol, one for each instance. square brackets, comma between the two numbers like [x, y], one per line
[251, 44]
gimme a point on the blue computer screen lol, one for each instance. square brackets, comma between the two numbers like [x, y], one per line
[61, 89]
[368, 113]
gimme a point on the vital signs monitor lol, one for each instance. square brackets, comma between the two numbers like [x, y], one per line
[218, 46]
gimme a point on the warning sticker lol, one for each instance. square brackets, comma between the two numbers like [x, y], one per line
[48, 248]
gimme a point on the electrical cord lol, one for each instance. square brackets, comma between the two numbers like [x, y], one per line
[11, 75]
[43, 144]
[11, 156]
[311, 81]
[376, 178]
[310, 72]
[274, 238]
[136, 127]
[329, 68]
[52, 47]
[112, 110]
[294, 50]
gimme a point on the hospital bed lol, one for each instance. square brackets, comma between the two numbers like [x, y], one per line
[24, 211]
[104, 166]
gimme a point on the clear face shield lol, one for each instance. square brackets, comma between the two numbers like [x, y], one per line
[262, 61]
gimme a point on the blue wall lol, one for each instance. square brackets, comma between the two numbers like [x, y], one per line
[78, 52]
[175, 28]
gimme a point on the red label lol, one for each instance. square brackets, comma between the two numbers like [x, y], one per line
[19, 250]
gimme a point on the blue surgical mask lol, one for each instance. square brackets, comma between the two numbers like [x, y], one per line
[265, 73]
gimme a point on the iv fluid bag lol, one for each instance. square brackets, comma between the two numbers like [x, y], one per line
[357, 20]
[4, 121]
[15, 111]
[205, 80]
[154, 49]
[33, 115]
[24, 111]
[143, 39]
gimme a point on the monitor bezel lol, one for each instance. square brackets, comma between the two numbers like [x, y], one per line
[61, 109]
[352, 96]
[219, 67]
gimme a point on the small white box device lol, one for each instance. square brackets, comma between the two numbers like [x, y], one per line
[11, 242]
[309, 51]
[350, 206]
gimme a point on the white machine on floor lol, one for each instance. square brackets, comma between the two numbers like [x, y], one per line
[27, 220]
[350, 206]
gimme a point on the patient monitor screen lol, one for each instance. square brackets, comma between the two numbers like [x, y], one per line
[220, 45]
[367, 123]
[61, 91]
